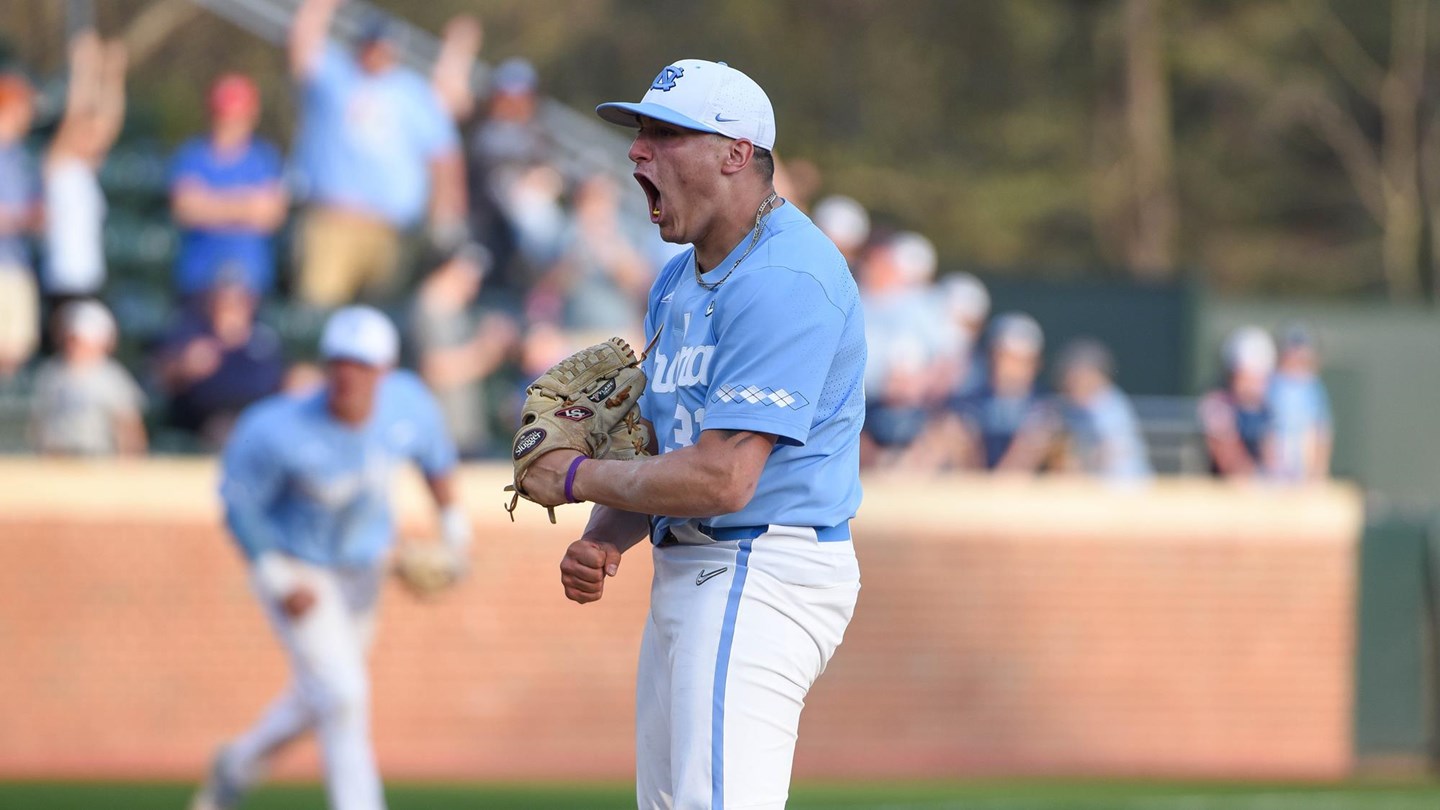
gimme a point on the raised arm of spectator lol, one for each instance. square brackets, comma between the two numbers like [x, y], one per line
[94, 100]
[308, 33]
[459, 45]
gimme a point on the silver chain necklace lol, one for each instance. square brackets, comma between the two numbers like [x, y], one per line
[760, 214]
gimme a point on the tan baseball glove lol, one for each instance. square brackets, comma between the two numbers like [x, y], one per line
[586, 403]
[427, 568]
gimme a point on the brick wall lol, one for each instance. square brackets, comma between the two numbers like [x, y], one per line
[1003, 627]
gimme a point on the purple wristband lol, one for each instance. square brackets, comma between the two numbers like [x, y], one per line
[570, 480]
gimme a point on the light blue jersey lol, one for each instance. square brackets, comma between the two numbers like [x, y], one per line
[366, 140]
[1301, 409]
[779, 348]
[298, 481]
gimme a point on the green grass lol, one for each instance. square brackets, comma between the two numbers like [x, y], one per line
[978, 795]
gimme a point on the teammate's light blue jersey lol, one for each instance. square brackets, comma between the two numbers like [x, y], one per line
[298, 481]
[779, 348]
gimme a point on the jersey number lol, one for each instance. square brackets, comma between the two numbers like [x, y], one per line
[687, 426]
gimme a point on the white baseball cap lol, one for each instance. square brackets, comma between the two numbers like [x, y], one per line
[89, 320]
[704, 96]
[362, 334]
[1250, 348]
[844, 220]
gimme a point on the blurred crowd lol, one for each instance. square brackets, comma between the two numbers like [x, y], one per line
[454, 214]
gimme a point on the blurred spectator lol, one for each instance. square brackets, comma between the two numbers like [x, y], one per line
[226, 194]
[910, 350]
[216, 360]
[602, 279]
[85, 403]
[966, 304]
[458, 347]
[1008, 425]
[1102, 429]
[75, 205]
[376, 148]
[508, 142]
[1236, 418]
[20, 217]
[1301, 408]
[847, 223]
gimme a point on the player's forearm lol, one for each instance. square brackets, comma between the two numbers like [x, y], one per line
[716, 476]
[616, 527]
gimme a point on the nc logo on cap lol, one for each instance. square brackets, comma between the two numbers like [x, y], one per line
[666, 79]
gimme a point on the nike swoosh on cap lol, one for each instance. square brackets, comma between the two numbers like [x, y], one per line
[725, 120]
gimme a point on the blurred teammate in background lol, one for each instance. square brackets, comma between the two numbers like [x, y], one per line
[85, 403]
[306, 491]
[379, 154]
[1008, 424]
[227, 196]
[1237, 419]
[1102, 429]
[21, 216]
[74, 204]
[1304, 434]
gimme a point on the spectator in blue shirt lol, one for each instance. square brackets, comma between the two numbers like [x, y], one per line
[216, 360]
[377, 152]
[1302, 424]
[227, 196]
[1102, 429]
[1009, 425]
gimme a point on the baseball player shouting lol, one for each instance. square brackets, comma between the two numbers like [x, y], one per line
[756, 403]
[305, 488]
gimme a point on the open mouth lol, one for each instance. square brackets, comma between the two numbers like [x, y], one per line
[652, 197]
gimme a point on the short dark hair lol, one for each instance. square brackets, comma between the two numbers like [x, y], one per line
[764, 163]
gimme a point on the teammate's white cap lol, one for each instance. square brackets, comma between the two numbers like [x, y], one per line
[1250, 348]
[704, 96]
[362, 334]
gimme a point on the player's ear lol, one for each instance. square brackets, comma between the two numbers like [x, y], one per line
[738, 155]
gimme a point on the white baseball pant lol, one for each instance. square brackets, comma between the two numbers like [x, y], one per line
[329, 692]
[738, 632]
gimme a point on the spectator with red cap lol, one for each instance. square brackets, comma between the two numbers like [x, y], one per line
[227, 196]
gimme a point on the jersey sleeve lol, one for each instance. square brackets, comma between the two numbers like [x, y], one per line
[251, 479]
[775, 338]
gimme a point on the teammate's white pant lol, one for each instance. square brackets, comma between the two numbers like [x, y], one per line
[726, 661]
[329, 692]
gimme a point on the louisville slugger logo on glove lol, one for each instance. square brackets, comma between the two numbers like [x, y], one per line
[607, 376]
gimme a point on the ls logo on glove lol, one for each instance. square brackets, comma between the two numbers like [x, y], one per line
[575, 413]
